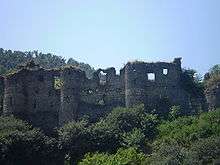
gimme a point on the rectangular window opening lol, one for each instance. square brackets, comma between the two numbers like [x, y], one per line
[165, 71]
[151, 76]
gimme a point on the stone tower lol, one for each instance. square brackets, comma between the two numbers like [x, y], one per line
[70, 93]
[148, 82]
[30, 95]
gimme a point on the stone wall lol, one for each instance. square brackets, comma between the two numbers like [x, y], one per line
[213, 96]
[94, 97]
[70, 94]
[31, 94]
[148, 82]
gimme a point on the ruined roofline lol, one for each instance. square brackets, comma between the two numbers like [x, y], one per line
[19, 71]
[31, 66]
[177, 59]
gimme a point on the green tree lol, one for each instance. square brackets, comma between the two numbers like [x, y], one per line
[212, 78]
[192, 82]
[74, 138]
[21, 144]
[215, 70]
[124, 120]
[84, 67]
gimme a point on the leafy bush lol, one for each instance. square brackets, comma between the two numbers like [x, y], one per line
[186, 130]
[128, 156]
[124, 120]
[133, 138]
[203, 151]
[78, 138]
[74, 139]
[127, 127]
[206, 151]
[175, 112]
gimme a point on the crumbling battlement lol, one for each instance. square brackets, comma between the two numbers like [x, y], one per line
[31, 94]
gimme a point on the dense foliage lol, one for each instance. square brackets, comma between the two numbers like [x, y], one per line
[129, 156]
[192, 82]
[185, 140]
[212, 78]
[125, 136]
[186, 130]
[21, 144]
[123, 127]
[10, 60]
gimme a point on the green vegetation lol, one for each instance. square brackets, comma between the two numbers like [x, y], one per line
[11, 60]
[185, 140]
[212, 78]
[123, 156]
[125, 136]
[21, 144]
[130, 136]
[192, 82]
[186, 130]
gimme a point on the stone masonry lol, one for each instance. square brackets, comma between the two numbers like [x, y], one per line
[213, 96]
[30, 93]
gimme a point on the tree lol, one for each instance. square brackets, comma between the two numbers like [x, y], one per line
[21, 144]
[84, 67]
[192, 82]
[10, 60]
[74, 138]
[215, 70]
[124, 120]
[212, 78]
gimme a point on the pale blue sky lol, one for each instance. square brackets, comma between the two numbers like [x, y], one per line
[108, 33]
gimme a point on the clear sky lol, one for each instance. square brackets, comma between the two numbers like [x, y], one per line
[107, 33]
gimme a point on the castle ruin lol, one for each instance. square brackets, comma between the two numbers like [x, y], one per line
[30, 93]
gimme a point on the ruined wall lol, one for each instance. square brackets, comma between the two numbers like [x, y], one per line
[70, 94]
[213, 96]
[99, 95]
[30, 95]
[148, 82]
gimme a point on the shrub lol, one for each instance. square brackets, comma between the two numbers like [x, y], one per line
[74, 139]
[128, 156]
[206, 151]
[186, 130]
[124, 120]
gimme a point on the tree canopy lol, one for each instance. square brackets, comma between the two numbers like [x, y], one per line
[10, 60]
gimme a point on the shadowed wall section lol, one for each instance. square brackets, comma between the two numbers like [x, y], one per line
[30, 93]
